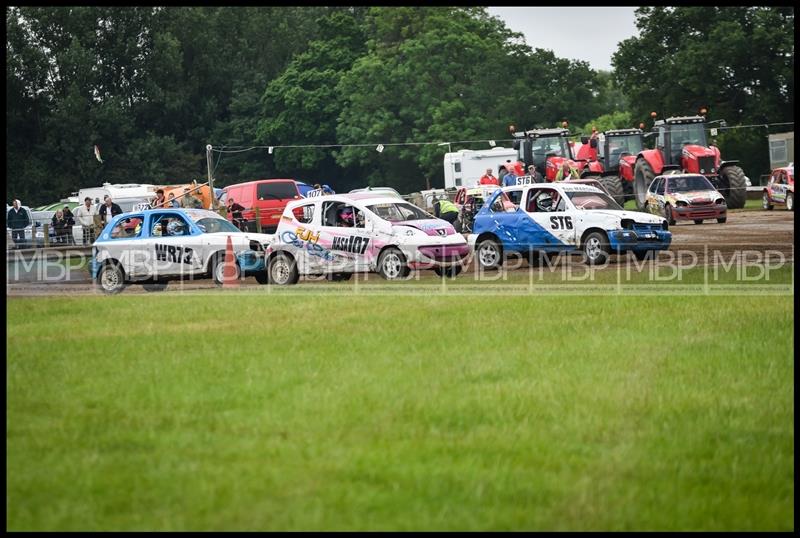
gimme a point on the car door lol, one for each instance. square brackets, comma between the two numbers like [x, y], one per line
[124, 243]
[558, 219]
[173, 245]
[348, 243]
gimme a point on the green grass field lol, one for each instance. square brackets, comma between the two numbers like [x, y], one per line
[291, 412]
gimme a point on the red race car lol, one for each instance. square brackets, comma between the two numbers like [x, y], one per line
[780, 189]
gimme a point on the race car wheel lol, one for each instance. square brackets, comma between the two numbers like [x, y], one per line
[490, 254]
[698, 221]
[155, 286]
[261, 277]
[451, 271]
[392, 264]
[282, 270]
[338, 277]
[218, 269]
[790, 202]
[765, 202]
[111, 278]
[722, 220]
[596, 248]
[668, 215]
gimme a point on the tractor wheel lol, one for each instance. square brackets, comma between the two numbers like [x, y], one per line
[643, 176]
[765, 202]
[790, 201]
[733, 186]
[613, 184]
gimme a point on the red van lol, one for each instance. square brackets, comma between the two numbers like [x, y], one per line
[270, 196]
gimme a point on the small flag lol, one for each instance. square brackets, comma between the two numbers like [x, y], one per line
[270, 150]
[379, 149]
[492, 143]
[97, 153]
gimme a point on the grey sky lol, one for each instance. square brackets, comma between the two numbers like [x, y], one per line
[590, 34]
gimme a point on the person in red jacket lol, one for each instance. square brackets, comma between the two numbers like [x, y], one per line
[488, 178]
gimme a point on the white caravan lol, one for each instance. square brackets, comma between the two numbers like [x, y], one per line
[464, 168]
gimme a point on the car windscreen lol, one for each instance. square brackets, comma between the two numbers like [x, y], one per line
[690, 183]
[592, 200]
[281, 190]
[399, 212]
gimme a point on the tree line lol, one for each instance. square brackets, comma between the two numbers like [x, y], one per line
[152, 86]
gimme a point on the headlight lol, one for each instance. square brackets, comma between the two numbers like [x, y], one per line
[720, 201]
[681, 204]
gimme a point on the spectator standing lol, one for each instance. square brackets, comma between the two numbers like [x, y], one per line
[488, 178]
[534, 173]
[18, 219]
[235, 210]
[567, 171]
[503, 171]
[85, 215]
[190, 201]
[510, 178]
[108, 211]
[172, 201]
[63, 227]
[159, 201]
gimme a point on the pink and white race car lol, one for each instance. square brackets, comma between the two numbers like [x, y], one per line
[341, 234]
[780, 189]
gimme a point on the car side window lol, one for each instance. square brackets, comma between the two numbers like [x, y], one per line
[660, 184]
[544, 200]
[515, 196]
[304, 213]
[128, 228]
[336, 214]
[169, 225]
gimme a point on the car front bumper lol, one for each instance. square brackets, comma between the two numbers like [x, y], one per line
[713, 211]
[624, 240]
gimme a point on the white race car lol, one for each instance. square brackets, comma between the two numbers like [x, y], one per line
[158, 245]
[562, 217]
[340, 234]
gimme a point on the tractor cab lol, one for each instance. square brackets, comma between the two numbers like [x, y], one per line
[546, 149]
[621, 143]
[683, 144]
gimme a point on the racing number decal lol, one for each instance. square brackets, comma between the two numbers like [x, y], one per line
[173, 253]
[561, 223]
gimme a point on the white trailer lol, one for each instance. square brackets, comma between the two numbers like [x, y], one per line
[126, 195]
[465, 167]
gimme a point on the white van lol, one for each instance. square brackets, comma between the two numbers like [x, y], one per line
[464, 168]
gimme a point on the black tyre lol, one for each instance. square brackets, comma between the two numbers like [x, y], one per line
[698, 221]
[262, 277]
[643, 176]
[790, 201]
[282, 270]
[722, 220]
[596, 249]
[489, 254]
[668, 215]
[457, 225]
[218, 269]
[450, 271]
[392, 264]
[155, 286]
[765, 202]
[111, 278]
[613, 184]
[733, 186]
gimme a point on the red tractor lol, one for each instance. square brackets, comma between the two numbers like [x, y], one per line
[547, 149]
[681, 145]
[618, 150]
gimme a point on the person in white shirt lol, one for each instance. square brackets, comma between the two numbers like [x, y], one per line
[85, 216]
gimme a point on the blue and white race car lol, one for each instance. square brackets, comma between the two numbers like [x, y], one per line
[562, 217]
[158, 245]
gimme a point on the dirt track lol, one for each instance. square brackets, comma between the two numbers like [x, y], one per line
[753, 231]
